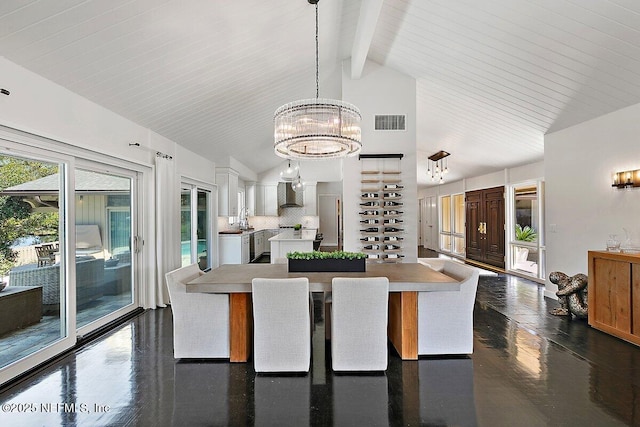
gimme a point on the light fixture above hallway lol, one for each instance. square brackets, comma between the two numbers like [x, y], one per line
[437, 166]
[317, 128]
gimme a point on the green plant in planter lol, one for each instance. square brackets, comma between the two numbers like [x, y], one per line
[326, 255]
[297, 227]
[526, 233]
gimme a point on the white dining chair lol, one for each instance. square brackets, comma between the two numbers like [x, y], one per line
[359, 317]
[445, 318]
[281, 325]
[200, 320]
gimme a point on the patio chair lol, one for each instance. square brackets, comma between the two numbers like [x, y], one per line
[45, 254]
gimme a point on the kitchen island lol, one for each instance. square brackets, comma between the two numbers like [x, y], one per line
[291, 241]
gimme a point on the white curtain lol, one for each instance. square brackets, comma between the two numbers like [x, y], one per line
[167, 205]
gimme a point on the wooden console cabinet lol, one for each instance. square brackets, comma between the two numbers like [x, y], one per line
[614, 294]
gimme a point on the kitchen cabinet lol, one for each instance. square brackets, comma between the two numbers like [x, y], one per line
[245, 249]
[310, 199]
[250, 198]
[227, 181]
[266, 196]
[614, 294]
[485, 219]
[258, 244]
[234, 249]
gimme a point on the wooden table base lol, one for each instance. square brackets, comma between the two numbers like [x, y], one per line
[240, 327]
[402, 329]
[403, 323]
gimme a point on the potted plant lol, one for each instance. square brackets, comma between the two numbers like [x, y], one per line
[316, 261]
[297, 228]
[526, 233]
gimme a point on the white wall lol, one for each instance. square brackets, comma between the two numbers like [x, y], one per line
[194, 166]
[382, 90]
[38, 106]
[581, 205]
[329, 188]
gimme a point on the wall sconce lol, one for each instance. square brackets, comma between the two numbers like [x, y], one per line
[626, 179]
[437, 166]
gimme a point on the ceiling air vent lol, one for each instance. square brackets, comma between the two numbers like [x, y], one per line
[391, 122]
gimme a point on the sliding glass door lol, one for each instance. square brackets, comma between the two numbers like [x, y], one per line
[68, 258]
[105, 228]
[197, 227]
[33, 304]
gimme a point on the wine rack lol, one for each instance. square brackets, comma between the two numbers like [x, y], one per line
[381, 208]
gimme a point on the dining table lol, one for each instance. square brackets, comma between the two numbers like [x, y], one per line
[406, 280]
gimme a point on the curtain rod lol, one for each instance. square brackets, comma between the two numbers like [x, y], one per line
[158, 153]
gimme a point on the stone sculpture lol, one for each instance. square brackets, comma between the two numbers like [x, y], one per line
[572, 294]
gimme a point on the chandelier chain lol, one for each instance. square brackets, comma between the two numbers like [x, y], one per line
[317, 58]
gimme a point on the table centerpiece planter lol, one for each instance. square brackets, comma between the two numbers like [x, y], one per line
[318, 262]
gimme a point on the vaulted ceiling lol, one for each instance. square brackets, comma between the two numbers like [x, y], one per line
[493, 76]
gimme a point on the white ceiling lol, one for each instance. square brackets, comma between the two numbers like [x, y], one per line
[493, 76]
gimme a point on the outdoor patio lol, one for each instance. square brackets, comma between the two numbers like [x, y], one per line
[23, 342]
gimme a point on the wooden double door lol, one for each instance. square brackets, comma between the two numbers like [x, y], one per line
[485, 231]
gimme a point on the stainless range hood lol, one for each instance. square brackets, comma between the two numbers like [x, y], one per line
[287, 198]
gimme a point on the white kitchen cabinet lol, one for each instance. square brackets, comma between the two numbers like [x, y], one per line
[227, 181]
[245, 249]
[266, 199]
[234, 249]
[250, 198]
[310, 200]
[259, 242]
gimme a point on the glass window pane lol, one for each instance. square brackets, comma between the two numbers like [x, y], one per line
[445, 206]
[185, 226]
[458, 213]
[203, 227]
[35, 315]
[459, 245]
[103, 245]
[445, 242]
[525, 259]
[526, 218]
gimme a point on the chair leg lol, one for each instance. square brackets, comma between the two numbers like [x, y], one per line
[327, 320]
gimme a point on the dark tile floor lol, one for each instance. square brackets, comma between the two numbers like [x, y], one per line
[529, 368]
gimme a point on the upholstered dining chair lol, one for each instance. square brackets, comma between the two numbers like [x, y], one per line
[359, 316]
[281, 325]
[445, 319]
[200, 320]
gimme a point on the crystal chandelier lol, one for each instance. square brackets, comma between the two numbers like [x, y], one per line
[317, 128]
[437, 166]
